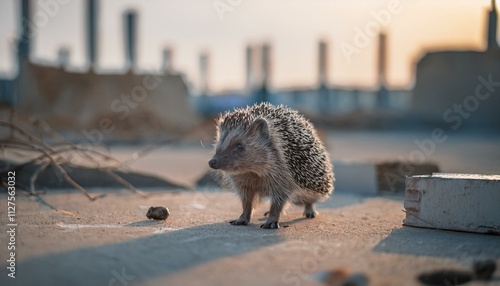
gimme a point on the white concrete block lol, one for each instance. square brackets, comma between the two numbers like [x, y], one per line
[464, 202]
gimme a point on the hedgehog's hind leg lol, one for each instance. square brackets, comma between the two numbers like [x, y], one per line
[309, 211]
[307, 200]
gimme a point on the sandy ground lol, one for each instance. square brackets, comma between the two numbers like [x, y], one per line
[110, 241]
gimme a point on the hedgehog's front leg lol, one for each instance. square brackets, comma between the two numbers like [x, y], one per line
[247, 200]
[277, 205]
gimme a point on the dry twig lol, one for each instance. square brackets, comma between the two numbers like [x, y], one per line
[62, 153]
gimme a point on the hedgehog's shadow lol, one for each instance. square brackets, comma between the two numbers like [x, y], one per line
[294, 221]
[284, 212]
[288, 222]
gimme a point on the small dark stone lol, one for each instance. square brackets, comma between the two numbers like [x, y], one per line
[445, 277]
[158, 213]
[484, 269]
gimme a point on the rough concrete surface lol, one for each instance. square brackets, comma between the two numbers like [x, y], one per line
[111, 242]
[197, 246]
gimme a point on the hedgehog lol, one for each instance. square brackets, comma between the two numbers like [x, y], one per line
[271, 151]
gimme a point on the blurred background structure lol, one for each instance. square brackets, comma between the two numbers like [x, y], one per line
[448, 85]
[70, 100]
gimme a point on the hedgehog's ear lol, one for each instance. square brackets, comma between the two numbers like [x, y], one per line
[260, 127]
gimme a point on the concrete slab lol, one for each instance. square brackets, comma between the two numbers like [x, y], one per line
[464, 202]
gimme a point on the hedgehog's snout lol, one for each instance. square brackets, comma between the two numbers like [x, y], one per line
[213, 163]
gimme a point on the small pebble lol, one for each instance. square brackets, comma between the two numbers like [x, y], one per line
[336, 277]
[158, 213]
[343, 277]
[484, 269]
[356, 279]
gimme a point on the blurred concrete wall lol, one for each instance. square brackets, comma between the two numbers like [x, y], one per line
[131, 102]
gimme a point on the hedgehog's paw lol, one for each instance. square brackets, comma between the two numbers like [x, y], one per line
[309, 212]
[312, 214]
[240, 221]
[271, 225]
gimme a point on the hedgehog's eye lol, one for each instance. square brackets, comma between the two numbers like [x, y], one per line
[240, 147]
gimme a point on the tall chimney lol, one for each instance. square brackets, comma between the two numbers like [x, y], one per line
[492, 27]
[253, 67]
[91, 33]
[24, 41]
[266, 65]
[323, 63]
[249, 58]
[262, 93]
[382, 93]
[382, 58]
[167, 65]
[204, 63]
[130, 39]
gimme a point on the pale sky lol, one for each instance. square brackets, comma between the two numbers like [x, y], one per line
[292, 27]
